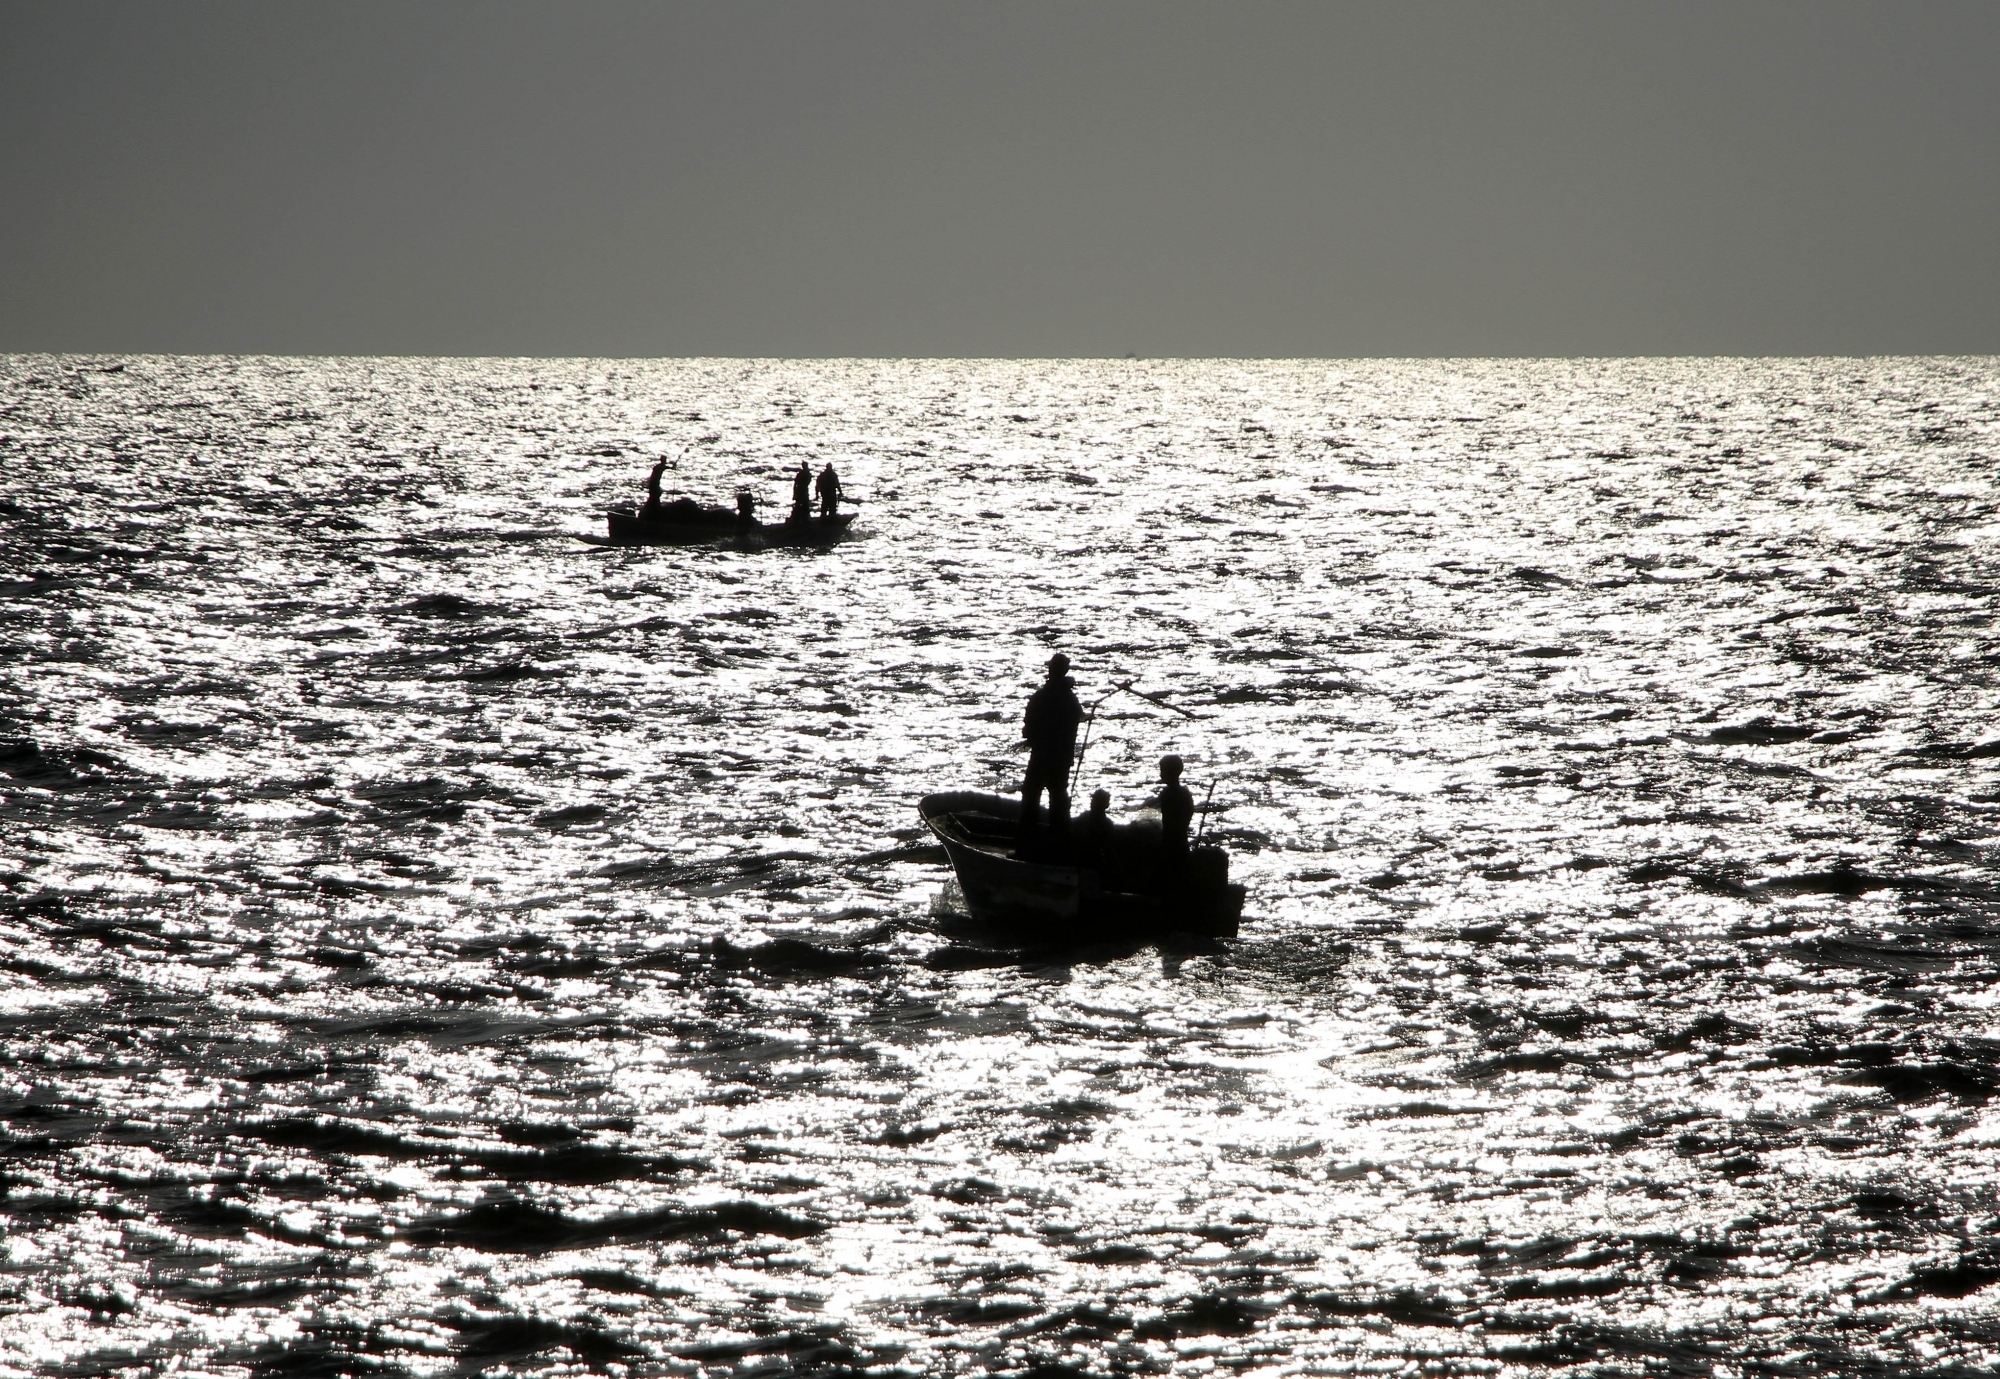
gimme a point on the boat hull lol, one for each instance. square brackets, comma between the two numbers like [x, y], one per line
[1066, 902]
[631, 529]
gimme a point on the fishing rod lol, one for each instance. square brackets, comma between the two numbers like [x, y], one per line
[1202, 832]
[1155, 699]
[1076, 762]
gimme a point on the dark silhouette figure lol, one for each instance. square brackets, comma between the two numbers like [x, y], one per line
[802, 486]
[652, 508]
[1094, 830]
[829, 491]
[1052, 720]
[1176, 812]
[746, 510]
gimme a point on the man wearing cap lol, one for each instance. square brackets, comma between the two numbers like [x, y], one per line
[1053, 717]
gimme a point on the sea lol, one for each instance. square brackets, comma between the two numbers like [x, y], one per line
[434, 943]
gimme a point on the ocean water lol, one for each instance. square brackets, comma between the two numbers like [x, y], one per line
[433, 944]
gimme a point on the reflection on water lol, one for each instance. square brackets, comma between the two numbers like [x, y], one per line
[430, 941]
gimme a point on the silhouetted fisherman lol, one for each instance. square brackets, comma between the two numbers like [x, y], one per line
[746, 510]
[652, 508]
[1176, 812]
[829, 491]
[802, 487]
[1051, 724]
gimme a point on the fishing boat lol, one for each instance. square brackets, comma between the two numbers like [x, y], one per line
[689, 524]
[1124, 891]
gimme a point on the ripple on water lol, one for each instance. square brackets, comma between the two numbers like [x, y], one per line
[429, 940]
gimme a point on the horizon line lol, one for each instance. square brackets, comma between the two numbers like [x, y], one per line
[985, 358]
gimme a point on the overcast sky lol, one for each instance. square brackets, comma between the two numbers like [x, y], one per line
[872, 177]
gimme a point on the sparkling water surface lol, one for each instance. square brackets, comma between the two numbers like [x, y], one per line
[430, 943]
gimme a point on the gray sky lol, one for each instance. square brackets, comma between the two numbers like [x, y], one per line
[1092, 177]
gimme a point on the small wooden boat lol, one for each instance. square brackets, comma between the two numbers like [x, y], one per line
[687, 524]
[1123, 891]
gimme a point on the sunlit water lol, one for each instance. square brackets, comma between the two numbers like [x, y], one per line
[434, 943]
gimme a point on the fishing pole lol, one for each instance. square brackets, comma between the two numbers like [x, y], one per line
[1202, 832]
[1076, 763]
[1090, 721]
[1158, 699]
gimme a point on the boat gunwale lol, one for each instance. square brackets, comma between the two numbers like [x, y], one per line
[990, 863]
[625, 528]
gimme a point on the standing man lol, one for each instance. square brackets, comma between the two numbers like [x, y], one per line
[829, 490]
[802, 487]
[1052, 720]
[652, 508]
